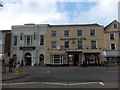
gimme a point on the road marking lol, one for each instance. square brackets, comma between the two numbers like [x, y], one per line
[101, 83]
[23, 83]
[3, 84]
[112, 71]
[83, 83]
[54, 83]
[48, 71]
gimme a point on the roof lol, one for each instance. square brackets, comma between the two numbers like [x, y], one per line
[75, 25]
[110, 24]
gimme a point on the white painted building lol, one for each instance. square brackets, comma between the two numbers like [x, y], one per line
[28, 43]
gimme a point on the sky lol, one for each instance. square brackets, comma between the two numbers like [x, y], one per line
[54, 12]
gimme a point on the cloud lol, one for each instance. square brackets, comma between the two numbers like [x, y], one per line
[15, 13]
[103, 12]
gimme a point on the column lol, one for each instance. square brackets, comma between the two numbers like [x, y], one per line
[21, 57]
[33, 58]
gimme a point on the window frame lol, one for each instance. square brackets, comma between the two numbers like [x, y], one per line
[68, 33]
[53, 44]
[42, 40]
[80, 46]
[110, 37]
[65, 43]
[53, 33]
[91, 33]
[15, 40]
[92, 45]
[78, 32]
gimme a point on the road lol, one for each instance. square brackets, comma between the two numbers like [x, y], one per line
[67, 77]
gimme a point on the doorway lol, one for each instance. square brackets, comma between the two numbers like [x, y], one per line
[73, 58]
[41, 59]
[28, 57]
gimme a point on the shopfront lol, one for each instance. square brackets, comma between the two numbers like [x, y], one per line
[92, 58]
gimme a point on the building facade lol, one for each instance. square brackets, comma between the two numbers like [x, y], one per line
[112, 42]
[28, 44]
[5, 44]
[74, 44]
[44, 44]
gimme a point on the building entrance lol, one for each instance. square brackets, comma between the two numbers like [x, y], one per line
[73, 58]
[28, 58]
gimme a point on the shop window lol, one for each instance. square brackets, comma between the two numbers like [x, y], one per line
[56, 59]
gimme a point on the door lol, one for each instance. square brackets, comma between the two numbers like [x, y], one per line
[28, 58]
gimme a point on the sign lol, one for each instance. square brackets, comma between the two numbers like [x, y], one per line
[27, 48]
[72, 38]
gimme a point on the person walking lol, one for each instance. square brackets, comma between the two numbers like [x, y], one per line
[10, 65]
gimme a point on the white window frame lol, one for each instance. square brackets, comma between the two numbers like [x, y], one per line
[111, 46]
[90, 32]
[43, 40]
[66, 35]
[52, 35]
[81, 31]
[113, 36]
[31, 40]
[96, 44]
[52, 45]
[64, 44]
[53, 59]
[82, 45]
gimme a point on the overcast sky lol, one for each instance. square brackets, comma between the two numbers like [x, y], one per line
[19, 12]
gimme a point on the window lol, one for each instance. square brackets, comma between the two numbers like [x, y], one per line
[15, 40]
[28, 40]
[66, 44]
[66, 33]
[80, 44]
[115, 25]
[54, 34]
[53, 46]
[92, 32]
[112, 46]
[119, 35]
[41, 39]
[56, 59]
[112, 37]
[93, 45]
[79, 32]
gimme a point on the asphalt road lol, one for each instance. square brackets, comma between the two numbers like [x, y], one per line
[67, 77]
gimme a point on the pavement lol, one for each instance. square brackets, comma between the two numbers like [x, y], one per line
[25, 71]
[13, 75]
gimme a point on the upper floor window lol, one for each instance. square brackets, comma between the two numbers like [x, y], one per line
[53, 33]
[41, 39]
[92, 32]
[28, 40]
[79, 32]
[15, 40]
[80, 44]
[115, 25]
[93, 45]
[119, 35]
[112, 37]
[112, 46]
[66, 44]
[53, 45]
[66, 33]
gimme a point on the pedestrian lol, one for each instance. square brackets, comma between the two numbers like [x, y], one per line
[10, 65]
[22, 62]
[3, 66]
